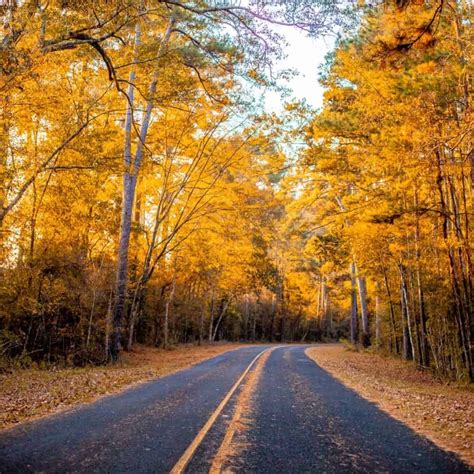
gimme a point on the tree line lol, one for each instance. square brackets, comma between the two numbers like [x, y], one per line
[388, 176]
[135, 198]
[146, 198]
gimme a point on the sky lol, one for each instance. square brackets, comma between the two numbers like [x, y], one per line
[305, 55]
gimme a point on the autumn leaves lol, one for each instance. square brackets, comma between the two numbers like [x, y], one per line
[393, 144]
[161, 206]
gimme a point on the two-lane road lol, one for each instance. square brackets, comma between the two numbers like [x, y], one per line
[298, 419]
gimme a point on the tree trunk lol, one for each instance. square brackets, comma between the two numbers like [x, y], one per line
[169, 301]
[129, 185]
[405, 309]
[392, 311]
[329, 321]
[354, 319]
[108, 320]
[318, 301]
[272, 320]
[211, 316]
[254, 319]
[201, 328]
[424, 347]
[126, 216]
[201, 319]
[223, 309]
[362, 287]
[131, 329]
[91, 316]
[247, 317]
[378, 319]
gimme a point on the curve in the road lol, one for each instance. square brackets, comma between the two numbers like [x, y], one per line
[302, 420]
[144, 429]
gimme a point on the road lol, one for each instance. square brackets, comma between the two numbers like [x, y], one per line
[243, 411]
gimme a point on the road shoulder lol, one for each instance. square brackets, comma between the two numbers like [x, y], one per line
[34, 393]
[442, 413]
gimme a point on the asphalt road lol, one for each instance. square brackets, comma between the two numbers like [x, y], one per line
[301, 420]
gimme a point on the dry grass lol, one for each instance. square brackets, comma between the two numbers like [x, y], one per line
[29, 394]
[443, 413]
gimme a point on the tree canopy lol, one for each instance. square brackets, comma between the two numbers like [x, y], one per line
[145, 196]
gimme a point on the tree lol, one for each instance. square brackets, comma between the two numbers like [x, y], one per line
[381, 148]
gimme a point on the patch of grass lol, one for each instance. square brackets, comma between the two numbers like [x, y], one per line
[348, 345]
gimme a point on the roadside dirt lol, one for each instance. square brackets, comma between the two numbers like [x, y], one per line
[443, 413]
[33, 393]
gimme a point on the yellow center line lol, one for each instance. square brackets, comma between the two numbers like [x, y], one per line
[238, 421]
[183, 461]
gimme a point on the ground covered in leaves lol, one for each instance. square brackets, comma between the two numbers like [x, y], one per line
[31, 393]
[443, 413]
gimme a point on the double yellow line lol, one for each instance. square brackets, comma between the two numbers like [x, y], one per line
[183, 461]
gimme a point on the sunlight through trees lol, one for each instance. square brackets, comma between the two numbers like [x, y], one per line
[146, 197]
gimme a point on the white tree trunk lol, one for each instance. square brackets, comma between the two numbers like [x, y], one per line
[129, 185]
[378, 319]
[362, 287]
[354, 321]
[221, 315]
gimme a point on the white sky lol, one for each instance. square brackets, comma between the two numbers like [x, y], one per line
[305, 55]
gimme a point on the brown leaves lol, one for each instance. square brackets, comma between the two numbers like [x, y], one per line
[29, 394]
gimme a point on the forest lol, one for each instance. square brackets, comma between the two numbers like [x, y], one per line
[146, 196]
